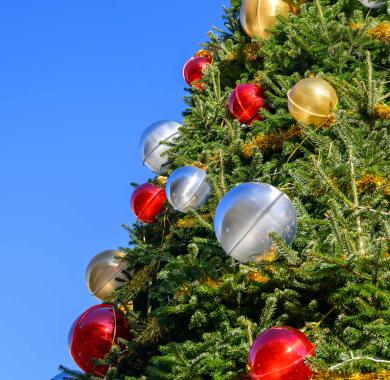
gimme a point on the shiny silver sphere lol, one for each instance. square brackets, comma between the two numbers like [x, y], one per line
[373, 3]
[151, 146]
[64, 376]
[102, 274]
[188, 188]
[247, 214]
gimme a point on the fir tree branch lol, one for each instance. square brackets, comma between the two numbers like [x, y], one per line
[358, 358]
[202, 221]
[356, 203]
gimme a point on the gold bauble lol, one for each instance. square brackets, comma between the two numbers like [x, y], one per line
[102, 273]
[312, 100]
[259, 15]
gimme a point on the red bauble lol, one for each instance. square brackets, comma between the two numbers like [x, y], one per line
[93, 334]
[279, 354]
[147, 202]
[193, 70]
[245, 102]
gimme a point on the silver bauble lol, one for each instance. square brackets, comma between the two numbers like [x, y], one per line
[152, 148]
[373, 3]
[247, 214]
[102, 274]
[187, 188]
[64, 376]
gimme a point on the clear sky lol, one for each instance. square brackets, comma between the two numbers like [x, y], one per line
[79, 82]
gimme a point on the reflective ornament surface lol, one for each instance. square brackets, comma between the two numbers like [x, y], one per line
[188, 188]
[279, 354]
[258, 16]
[245, 102]
[247, 214]
[312, 100]
[147, 202]
[193, 70]
[151, 146]
[64, 376]
[102, 274]
[372, 3]
[93, 334]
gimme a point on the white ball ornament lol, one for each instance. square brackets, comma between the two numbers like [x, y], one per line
[373, 3]
[152, 146]
[247, 214]
[187, 188]
[64, 376]
[102, 273]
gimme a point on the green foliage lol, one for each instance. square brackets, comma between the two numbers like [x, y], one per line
[196, 311]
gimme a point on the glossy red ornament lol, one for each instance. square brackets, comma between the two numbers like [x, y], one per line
[245, 102]
[279, 354]
[93, 334]
[147, 201]
[193, 70]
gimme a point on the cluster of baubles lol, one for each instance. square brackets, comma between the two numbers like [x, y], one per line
[95, 331]
[243, 221]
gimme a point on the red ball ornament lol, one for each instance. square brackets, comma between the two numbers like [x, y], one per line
[147, 201]
[193, 70]
[93, 334]
[245, 102]
[279, 354]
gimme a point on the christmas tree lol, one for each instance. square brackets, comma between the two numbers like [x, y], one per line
[195, 308]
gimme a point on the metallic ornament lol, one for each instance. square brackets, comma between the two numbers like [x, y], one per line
[147, 202]
[193, 70]
[64, 376]
[102, 274]
[152, 148]
[188, 188]
[279, 353]
[245, 102]
[312, 100]
[372, 3]
[93, 334]
[257, 16]
[247, 214]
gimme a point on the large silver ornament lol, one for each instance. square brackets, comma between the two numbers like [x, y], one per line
[373, 3]
[102, 274]
[188, 188]
[152, 148]
[64, 376]
[247, 214]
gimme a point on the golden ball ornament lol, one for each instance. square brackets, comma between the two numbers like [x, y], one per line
[258, 16]
[103, 272]
[312, 100]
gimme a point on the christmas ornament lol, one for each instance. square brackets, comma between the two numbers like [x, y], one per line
[188, 188]
[102, 274]
[279, 353]
[245, 102]
[64, 376]
[247, 214]
[147, 202]
[193, 70]
[258, 16]
[312, 100]
[372, 3]
[93, 334]
[153, 149]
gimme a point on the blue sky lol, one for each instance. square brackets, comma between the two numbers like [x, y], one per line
[79, 82]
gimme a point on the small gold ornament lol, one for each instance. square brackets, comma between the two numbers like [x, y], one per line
[204, 53]
[382, 110]
[312, 101]
[257, 16]
[381, 32]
